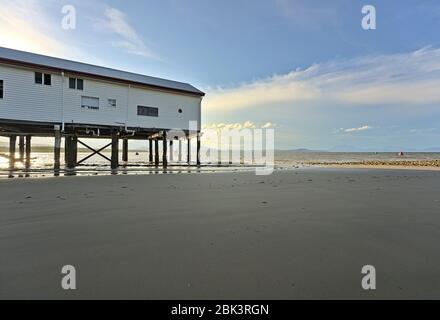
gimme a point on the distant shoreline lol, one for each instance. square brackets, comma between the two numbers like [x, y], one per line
[404, 164]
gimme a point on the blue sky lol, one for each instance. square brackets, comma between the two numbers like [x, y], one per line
[307, 67]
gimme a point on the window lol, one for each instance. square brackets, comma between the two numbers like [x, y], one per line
[72, 83]
[38, 78]
[1, 89]
[180, 111]
[112, 103]
[75, 83]
[80, 84]
[47, 79]
[148, 111]
[89, 103]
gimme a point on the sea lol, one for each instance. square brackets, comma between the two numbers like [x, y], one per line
[42, 163]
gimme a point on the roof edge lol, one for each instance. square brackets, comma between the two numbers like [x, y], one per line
[19, 62]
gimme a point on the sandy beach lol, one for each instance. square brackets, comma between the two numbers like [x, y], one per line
[296, 234]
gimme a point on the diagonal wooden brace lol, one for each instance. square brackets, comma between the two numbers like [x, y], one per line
[98, 152]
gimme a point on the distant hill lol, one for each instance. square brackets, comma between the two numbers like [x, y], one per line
[5, 149]
[348, 148]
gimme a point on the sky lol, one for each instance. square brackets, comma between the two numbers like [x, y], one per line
[305, 68]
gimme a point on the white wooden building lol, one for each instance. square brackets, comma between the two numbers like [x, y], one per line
[41, 94]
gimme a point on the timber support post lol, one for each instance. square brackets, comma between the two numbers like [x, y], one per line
[198, 149]
[68, 151]
[189, 150]
[71, 151]
[172, 150]
[150, 150]
[115, 151]
[57, 150]
[156, 152]
[21, 148]
[164, 149]
[12, 146]
[28, 152]
[125, 150]
[75, 150]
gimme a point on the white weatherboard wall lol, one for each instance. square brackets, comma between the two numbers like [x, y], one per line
[169, 105]
[25, 100]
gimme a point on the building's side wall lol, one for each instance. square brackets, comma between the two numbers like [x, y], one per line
[168, 104]
[25, 100]
[73, 113]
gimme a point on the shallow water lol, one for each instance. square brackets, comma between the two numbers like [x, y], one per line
[42, 163]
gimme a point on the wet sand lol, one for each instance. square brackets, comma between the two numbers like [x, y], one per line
[296, 234]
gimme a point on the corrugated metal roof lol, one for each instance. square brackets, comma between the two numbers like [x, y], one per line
[88, 69]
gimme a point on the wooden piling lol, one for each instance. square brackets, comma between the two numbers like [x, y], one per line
[67, 151]
[198, 149]
[164, 149]
[115, 151]
[171, 150]
[12, 150]
[125, 150]
[71, 151]
[156, 152]
[21, 148]
[75, 150]
[57, 151]
[28, 152]
[189, 150]
[150, 150]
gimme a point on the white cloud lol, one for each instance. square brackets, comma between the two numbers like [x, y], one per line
[238, 125]
[363, 128]
[269, 125]
[115, 21]
[408, 78]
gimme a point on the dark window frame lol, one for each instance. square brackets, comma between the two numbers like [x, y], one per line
[1, 88]
[47, 79]
[78, 86]
[38, 78]
[72, 83]
[145, 111]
